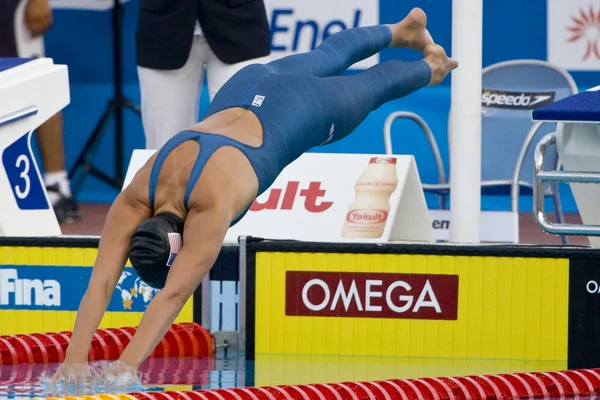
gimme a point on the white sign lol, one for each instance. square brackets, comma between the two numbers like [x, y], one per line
[299, 26]
[574, 34]
[138, 159]
[495, 226]
[313, 199]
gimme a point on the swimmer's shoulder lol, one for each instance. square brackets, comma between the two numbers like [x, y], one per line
[137, 192]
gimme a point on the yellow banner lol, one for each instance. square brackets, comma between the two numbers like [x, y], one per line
[456, 307]
[41, 287]
[273, 370]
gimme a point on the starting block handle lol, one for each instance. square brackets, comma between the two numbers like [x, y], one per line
[18, 115]
[542, 176]
[576, 177]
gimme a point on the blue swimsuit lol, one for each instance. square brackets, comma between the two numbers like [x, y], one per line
[301, 103]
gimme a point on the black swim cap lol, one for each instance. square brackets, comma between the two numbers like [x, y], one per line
[154, 245]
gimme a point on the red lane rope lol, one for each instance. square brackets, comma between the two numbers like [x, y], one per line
[542, 385]
[181, 340]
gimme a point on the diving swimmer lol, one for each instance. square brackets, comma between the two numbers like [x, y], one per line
[204, 179]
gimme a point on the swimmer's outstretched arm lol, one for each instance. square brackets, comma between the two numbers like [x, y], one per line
[125, 214]
[203, 236]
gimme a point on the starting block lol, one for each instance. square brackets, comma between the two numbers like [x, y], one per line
[311, 200]
[577, 139]
[31, 91]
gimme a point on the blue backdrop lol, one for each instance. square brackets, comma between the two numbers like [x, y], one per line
[82, 40]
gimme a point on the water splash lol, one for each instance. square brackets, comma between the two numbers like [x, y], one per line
[105, 378]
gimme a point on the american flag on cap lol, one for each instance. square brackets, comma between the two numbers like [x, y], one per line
[175, 244]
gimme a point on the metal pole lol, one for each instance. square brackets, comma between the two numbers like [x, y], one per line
[465, 121]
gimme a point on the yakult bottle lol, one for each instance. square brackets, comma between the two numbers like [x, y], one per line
[368, 212]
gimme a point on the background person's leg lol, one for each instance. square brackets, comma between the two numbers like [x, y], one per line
[170, 98]
[217, 72]
[51, 144]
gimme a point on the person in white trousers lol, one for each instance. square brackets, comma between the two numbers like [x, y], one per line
[170, 97]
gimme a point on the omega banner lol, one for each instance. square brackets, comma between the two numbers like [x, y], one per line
[371, 295]
[473, 303]
[406, 305]
[424, 301]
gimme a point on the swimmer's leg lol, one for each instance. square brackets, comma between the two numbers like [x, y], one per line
[343, 49]
[337, 53]
[313, 111]
[350, 99]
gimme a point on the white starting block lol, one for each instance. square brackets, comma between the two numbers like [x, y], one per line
[31, 91]
[577, 138]
[95, 5]
[310, 201]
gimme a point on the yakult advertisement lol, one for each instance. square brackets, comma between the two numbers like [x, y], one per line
[332, 198]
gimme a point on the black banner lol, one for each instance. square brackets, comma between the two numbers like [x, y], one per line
[584, 313]
[515, 100]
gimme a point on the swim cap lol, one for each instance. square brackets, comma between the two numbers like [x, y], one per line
[154, 246]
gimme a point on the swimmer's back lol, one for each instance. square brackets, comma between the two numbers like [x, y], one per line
[227, 177]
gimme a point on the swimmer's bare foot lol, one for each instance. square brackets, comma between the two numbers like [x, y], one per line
[412, 31]
[441, 65]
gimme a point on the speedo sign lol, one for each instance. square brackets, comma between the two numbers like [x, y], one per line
[371, 295]
[515, 100]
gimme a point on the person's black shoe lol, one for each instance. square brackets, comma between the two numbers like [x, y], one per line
[65, 207]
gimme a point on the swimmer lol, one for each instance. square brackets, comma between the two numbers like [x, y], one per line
[204, 179]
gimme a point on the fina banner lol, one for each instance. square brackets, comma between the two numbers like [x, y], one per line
[300, 26]
[41, 288]
[573, 34]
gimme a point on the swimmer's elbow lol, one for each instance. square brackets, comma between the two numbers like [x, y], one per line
[176, 299]
[99, 292]
[181, 284]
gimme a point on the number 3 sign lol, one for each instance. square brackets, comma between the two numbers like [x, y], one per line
[23, 176]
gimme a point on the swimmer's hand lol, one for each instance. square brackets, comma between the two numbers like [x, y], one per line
[68, 373]
[119, 374]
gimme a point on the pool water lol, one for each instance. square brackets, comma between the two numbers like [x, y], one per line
[183, 374]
